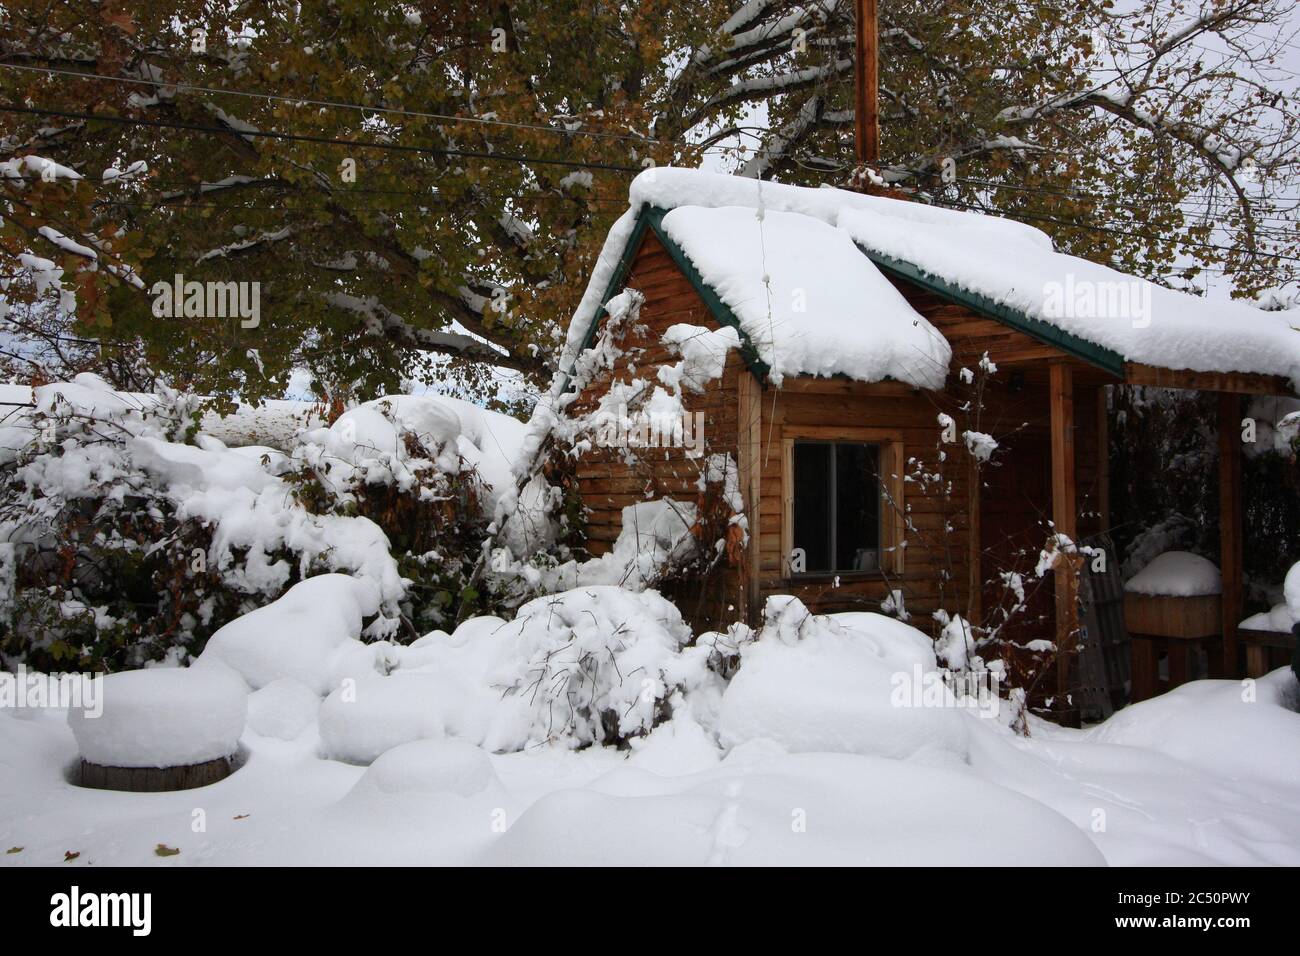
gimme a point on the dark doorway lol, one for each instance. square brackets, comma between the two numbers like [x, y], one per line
[1015, 507]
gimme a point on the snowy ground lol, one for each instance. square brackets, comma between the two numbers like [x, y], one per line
[1196, 777]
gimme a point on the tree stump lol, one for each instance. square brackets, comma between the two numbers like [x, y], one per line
[155, 779]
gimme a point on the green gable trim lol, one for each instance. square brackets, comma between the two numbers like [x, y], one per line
[651, 218]
[1089, 352]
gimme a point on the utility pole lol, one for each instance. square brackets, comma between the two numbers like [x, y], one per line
[867, 113]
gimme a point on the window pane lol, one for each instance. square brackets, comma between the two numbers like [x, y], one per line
[812, 503]
[857, 517]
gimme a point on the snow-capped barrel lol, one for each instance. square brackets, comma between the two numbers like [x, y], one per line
[160, 729]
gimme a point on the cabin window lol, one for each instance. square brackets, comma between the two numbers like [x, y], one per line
[836, 506]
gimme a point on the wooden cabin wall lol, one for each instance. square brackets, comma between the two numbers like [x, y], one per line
[930, 550]
[941, 568]
[937, 564]
[608, 483]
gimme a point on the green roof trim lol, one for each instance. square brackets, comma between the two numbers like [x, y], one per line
[650, 218]
[1090, 352]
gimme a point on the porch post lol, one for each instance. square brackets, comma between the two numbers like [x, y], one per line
[748, 441]
[1103, 462]
[1064, 510]
[1230, 542]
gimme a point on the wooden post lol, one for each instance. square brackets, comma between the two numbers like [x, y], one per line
[1103, 465]
[867, 118]
[1064, 511]
[974, 553]
[749, 438]
[1230, 542]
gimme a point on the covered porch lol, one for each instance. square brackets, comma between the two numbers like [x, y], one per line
[1169, 640]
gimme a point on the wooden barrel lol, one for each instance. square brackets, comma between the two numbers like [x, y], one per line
[155, 779]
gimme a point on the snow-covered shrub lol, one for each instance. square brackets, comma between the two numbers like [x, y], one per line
[311, 634]
[405, 463]
[134, 537]
[598, 665]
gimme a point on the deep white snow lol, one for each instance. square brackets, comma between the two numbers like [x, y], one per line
[807, 755]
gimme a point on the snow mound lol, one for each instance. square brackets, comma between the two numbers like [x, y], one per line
[1278, 618]
[1228, 728]
[794, 810]
[363, 719]
[163, 717]
[307, 634]
[1177, 574]
[283, 709]
[816, 684]
[432, 767]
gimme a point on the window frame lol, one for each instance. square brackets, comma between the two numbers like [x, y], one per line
[892, 516]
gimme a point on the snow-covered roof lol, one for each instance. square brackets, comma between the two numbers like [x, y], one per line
[806, 297]
[826, 308]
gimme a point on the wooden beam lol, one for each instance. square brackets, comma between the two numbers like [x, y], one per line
[750, 438]
[1241, 383]
[809, 385]
[1230, 515]
[867, 85]
[974, 553]
[1103, 464]
[787, 504]
[1064, 512]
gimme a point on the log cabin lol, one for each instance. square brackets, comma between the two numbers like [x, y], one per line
[917, 403]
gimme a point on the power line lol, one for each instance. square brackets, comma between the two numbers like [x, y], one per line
[1202, 212]
[217, 187]
[1288, 232]
[336, 104]
[329, 140]
[1117, 232]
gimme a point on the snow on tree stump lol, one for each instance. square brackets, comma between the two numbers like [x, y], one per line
[161, 729]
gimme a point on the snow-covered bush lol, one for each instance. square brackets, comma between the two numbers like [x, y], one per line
[598, 665]
[107, 572]
[406, 463]
[129, 532]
